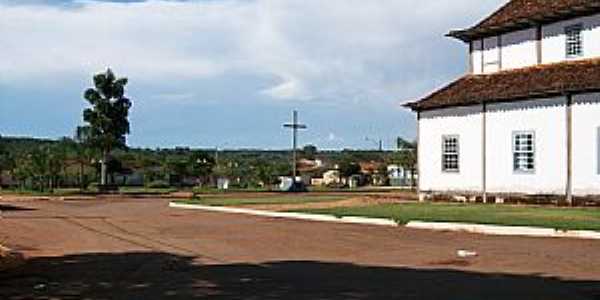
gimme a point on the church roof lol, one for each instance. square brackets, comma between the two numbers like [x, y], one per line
[522, 14]
[514, 85]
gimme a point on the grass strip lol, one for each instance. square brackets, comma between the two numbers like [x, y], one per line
[535, 216]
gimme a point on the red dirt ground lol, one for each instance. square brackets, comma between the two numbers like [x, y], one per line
[141, 249]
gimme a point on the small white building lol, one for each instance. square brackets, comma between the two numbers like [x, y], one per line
[526, 118]
[400, 176]
[331, 177]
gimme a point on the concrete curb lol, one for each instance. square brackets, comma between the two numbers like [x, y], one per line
[288, 215]
[505, 230]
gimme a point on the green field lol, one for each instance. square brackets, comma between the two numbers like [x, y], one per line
[269, 199]
[548, 217]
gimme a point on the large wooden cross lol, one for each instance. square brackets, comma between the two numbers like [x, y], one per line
[294, 126]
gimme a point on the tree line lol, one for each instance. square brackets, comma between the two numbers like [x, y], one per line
[97, 156]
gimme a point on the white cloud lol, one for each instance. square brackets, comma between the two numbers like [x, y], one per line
[332, 137]
[333, 50]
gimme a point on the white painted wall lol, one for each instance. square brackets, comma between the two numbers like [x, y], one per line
[553, 39]
[519, 49]
[476, 57]
[491, 55]
[547, 119]
[586, 121]
[433, 125]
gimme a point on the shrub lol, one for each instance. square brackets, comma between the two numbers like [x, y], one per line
[158, 184]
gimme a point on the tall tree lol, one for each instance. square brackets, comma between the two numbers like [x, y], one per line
[35, 167]
[310, 151]
[402, 144]
[201, 165]
[348, 168]
[108, 118]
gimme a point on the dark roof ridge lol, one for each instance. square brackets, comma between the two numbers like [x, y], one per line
[523, 14]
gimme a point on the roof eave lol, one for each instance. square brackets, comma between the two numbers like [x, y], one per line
[474, 33]
[418, 107]
[414, 106]
[461, 35]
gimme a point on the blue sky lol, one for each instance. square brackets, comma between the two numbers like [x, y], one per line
[227, 73]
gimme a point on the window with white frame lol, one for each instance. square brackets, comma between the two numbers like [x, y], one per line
[574, 41]
[524, 151]
[450, 153]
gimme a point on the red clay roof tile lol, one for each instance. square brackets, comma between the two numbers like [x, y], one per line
[520, 14]
[531, 82]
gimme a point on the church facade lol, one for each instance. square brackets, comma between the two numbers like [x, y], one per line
[525, 120]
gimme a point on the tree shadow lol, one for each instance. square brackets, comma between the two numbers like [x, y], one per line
[6, 207]
[166, 276]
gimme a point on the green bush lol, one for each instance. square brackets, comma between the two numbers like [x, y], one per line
[158, 184]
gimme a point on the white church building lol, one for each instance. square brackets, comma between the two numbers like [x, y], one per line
[525, 120]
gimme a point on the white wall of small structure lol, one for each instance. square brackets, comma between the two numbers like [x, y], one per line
[545, 117]
[519, 49]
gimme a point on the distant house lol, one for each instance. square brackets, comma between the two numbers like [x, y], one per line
[332, 177]
[399, 176]
[526, 118]
[307, 165]
[372, 173]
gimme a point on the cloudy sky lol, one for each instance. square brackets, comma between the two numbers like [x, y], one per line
[227, 73]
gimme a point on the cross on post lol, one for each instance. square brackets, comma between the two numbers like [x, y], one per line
[294, 126]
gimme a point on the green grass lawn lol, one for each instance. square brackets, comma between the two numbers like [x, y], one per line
[548, 217]
[270, 199]
[145, 191]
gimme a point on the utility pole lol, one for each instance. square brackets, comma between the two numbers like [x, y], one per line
[294, 126]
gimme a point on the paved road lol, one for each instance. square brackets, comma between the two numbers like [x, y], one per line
[141, 249]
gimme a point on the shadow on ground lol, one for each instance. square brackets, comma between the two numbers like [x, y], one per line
[166, 276]
[6, 207]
